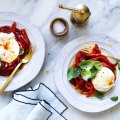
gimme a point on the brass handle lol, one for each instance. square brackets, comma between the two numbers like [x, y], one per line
[68, 8]
[10, 78]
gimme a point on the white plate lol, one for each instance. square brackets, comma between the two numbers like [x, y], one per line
[91, 104]
[30, 70]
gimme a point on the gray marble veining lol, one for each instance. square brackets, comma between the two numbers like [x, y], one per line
[105, 16]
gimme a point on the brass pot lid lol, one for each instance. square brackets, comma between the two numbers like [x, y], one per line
[83, 12]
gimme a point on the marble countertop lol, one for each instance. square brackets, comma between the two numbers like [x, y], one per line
[105, 17]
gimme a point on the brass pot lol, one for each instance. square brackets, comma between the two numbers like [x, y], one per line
[79, 17]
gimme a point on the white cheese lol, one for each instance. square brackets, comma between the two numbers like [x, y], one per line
[104, 80]
[9, 47]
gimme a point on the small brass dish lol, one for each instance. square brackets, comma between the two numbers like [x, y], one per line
[59, 27]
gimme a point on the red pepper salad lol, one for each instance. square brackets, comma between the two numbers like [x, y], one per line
[92, 74]
[14, 45]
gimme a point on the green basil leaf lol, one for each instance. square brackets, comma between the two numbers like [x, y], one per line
[21, 52]
[114, 98]
[93, 73]
[99, 95]
[118, 65]
[69, 74]
[98, 65]
[85, 74]
[73, 73]
[86, 64]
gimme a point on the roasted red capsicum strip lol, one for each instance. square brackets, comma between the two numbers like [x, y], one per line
[96, 49]
[79, 81]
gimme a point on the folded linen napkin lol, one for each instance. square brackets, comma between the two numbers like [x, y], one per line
[39, 103]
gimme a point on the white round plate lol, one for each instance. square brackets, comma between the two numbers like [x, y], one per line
[29, 71]
[86, 104]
